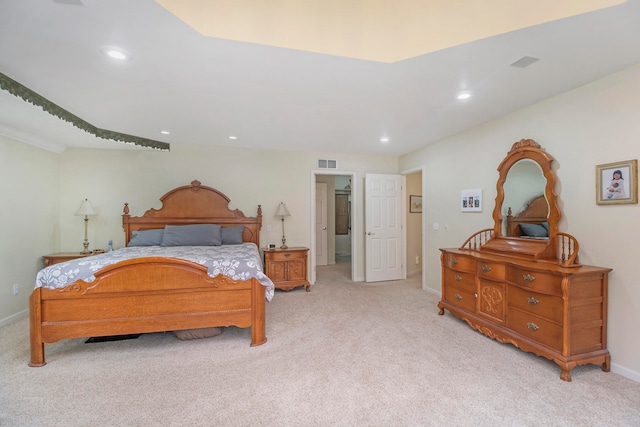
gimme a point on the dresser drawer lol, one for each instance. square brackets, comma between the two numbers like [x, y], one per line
[460, 280]
[545, 306]
[535, 327]
[460, 298]
[535, 280]
[460, 263]
[491, 270]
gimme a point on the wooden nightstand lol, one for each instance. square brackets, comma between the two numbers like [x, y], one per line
[62, 257]
[287, 268]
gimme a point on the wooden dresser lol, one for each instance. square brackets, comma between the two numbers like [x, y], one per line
[287, 268]
[556, 312]
[521, 282]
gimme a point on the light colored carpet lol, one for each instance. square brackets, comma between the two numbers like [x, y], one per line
[345, 354]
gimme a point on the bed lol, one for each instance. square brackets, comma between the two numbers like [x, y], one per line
[157, 293]
[531, 222]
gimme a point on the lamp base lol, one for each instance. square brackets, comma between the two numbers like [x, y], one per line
[284, 247]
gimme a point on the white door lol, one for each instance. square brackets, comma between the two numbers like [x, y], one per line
[383, 227]
[321, 223]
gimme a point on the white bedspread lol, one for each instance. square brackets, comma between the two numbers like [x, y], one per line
[239, 262]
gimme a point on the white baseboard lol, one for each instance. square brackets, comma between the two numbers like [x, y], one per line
[627, 373]
[19, 315]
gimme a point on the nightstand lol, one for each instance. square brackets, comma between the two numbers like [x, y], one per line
[62, 257]
[287, 268]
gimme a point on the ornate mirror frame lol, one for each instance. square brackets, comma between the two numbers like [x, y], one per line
[536, 249]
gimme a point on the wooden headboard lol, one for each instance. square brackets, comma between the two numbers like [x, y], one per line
[535, 213]
[193, 204]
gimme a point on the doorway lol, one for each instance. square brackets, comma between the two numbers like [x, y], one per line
[336, 214]
[415, 224]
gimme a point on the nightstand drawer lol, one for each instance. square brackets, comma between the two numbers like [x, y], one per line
[284, 255]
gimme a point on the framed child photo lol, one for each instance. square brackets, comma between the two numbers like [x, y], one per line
[617, 183]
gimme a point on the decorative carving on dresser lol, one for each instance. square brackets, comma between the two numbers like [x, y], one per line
[521, 281]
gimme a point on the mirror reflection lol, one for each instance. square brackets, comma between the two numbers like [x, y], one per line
[525, 182]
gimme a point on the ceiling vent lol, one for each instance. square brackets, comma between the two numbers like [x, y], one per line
[524, 62]
[327, 164]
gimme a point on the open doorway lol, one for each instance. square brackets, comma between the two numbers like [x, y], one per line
[415, 224]
[332, 251]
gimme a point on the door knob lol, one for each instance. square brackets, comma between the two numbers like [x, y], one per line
[371, 234]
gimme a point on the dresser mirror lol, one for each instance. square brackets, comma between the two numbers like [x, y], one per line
[521, 282]
[526, 212]
[525, 182]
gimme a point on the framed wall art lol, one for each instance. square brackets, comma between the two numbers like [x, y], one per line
[617, 183]
[471, 200]
[415, 204]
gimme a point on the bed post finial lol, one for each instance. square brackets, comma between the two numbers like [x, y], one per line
[195, 184]
[126, 209]
[259, 210]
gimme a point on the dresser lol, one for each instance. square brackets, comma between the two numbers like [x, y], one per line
[287, 268]
[521, 282]
[556, 312]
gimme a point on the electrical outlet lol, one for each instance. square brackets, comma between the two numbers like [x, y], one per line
[435, 226]
[16, 289]
[268, 228]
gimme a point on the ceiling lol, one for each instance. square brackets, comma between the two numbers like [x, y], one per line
[333, 76]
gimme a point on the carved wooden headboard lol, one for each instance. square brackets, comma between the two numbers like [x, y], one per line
[193, 204]
[535, 213]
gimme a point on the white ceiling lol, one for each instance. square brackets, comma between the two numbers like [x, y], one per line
[204, 89]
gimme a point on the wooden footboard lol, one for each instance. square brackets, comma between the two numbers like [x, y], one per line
[142, 295]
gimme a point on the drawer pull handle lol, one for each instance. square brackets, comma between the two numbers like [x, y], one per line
[532, 326]
[458, 297]
[486, 268]
[287, 254]
[528, 277]
[532, 300]
[458, 277]
[454, 261]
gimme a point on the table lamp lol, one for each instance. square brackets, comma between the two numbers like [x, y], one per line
[282, 212]
[87, 210]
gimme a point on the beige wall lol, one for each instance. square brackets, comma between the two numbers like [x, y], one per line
[591, 125]
[414, 225]
[29, 187]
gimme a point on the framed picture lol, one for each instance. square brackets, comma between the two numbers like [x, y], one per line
[617, 183]
[415, 204]
[471, 200]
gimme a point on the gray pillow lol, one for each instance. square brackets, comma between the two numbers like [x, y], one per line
[192, 235]
[534, 230]
[146, 237]
[232, 235]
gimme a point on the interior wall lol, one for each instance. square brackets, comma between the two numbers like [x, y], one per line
[29, 185]
[247, 176]
[414, 225]
[594, 124]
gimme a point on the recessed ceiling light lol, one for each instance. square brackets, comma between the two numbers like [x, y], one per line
[464, 95]
[384, 139]
[114, 53]
[165, 132]
[233, 137]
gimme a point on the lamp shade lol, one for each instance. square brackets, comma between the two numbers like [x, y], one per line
[86, 209]
[282, 210]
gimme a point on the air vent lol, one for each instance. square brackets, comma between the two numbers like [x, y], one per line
[524, 62]
[327, 164]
